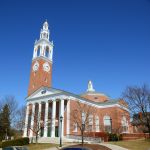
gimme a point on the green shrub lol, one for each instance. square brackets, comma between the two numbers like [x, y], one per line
[119, 137]
[17, 142]
[0, 144]
[114, 137]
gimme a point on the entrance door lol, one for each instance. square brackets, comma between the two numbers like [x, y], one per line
[49, 131]
[42, 132]
[56, 131]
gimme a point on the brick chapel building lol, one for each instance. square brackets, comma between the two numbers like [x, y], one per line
[46, 104]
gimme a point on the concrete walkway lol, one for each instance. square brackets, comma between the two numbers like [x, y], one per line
[111, 146]
[53, 148]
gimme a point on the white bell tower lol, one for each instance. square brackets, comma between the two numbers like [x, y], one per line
[44, 47]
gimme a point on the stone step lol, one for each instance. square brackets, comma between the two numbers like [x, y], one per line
[48, 140]
[55, 140]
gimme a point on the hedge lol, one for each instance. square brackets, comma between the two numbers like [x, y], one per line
[114, 137]
[17, 142]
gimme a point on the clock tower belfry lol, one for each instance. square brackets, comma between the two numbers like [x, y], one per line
[41, 69]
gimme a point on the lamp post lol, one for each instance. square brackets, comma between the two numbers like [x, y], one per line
[83, 128]
[61, 118]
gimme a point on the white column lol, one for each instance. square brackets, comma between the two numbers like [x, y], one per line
[43, 50]
[26, 122]
[61, 109]
[39, 112]
[34, 53]
[46, 119]
[32, 120]
[68, 118]
[53, 118]
[39, 117]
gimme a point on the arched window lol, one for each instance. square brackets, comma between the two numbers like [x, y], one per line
[38, 51]
[47, 52]
[97, 123]
[44, 35]
[90, 120]
[108, 124]
[124, 123]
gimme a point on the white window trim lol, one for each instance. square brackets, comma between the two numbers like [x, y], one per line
[97, 129]
[75, 126]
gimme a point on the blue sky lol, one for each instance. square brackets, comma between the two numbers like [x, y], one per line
[106, 41]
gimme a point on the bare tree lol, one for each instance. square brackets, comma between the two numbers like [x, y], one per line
[138, 99]
[37, 126]
[82, 117]
[1, 105]
[13, 107]
[19, 124]
[38, 123]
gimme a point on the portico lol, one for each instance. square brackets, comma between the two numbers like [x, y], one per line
[45, 116]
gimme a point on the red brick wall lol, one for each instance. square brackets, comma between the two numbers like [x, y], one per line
[115, 114]
[40, 77]
[96, 98]
[133, 136]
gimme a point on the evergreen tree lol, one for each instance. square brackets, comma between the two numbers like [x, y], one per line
[5, 121]
[1, 130]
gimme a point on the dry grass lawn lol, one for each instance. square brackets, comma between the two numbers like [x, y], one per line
[141, 144]
[40, 146]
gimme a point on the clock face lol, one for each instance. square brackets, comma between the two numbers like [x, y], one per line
[35, 66]
[46, 67]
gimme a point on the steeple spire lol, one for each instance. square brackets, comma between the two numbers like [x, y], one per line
[44, 31]
[90, 87]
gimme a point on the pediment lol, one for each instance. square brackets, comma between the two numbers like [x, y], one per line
[42, 92]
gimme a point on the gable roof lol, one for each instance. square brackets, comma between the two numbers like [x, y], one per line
[51, 92]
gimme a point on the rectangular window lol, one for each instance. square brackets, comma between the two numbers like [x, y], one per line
[97, 123]
[108, 129]
[83, 117]
[124, 129]
[90, 128]
[75, 127]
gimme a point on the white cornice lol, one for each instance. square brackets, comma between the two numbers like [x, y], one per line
[43, 41]
[53, 97]
[44, 58]
[74, 99]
